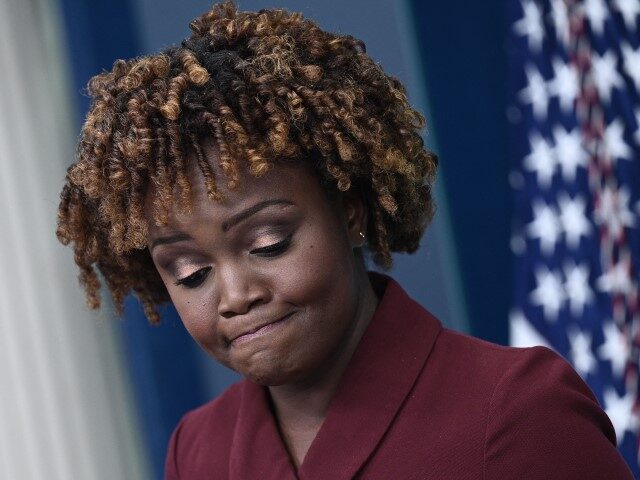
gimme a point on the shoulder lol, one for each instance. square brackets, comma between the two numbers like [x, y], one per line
[530, 372]
[541, 420]
[203, 431]
[476, 364]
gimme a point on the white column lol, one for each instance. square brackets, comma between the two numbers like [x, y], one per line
[66, 411]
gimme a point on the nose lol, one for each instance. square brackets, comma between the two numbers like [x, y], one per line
[239, 293]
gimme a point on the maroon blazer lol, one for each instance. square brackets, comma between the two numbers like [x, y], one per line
[417, 401]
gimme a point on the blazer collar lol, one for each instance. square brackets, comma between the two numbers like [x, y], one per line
[380, 375]
[257, 450]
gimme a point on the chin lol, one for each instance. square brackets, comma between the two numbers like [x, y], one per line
[266, 381]
[272, 373]
[268, 378]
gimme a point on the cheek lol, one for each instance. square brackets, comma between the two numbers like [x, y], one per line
[200, 320]
[326, 292]
[320, 269]
[322, 280]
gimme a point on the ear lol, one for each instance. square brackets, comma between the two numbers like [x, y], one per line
[354, 211]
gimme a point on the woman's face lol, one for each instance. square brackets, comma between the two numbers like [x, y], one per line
[266, 281]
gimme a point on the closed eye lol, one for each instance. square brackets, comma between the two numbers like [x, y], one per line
[195, 279]
[274, 249]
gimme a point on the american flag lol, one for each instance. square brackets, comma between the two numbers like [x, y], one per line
[574, 115]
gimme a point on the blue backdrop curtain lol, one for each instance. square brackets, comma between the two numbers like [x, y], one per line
[462, 48]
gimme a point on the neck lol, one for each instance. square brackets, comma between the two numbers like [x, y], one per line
[300, 408]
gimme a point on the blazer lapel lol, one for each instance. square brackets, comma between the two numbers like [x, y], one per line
[381, 373]
[257, 451]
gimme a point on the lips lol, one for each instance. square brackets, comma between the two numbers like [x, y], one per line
[260, 329]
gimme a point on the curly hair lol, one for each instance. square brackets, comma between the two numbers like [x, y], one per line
[267, 86]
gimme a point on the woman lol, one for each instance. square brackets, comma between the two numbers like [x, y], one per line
[241, 176]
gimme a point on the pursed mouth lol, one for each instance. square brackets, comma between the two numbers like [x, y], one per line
[256, 332]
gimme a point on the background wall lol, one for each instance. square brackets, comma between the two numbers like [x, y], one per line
[463, 54]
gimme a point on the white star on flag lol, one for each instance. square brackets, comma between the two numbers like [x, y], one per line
[577, 287]
[617, 279]
[545, 227]
[605, 75]
[540, 160]
[573, 219]
[614, 349]
[597, 14]
[548, 293]
[535, 93]
[631, 61]
[629, 9]
[612, 210]
[614, 141]
[522, 333]
[620, 412]
[560, 19]
[530, 25]
[581, 355]
[569, 152]
[564, 84]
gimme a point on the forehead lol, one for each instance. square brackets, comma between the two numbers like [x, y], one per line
[297, 183]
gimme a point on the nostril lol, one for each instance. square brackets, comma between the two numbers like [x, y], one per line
[231, 309]
[256, 302]
[238, 294]
[228, 314]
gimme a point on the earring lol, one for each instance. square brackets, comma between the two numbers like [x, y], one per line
[362, 238]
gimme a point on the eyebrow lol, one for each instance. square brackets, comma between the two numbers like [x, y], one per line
[247, 212]
[178, 237]
[226, 225]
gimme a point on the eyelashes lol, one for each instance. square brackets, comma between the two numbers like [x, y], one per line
[195, 279]
[270, 251]
[274, 249]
